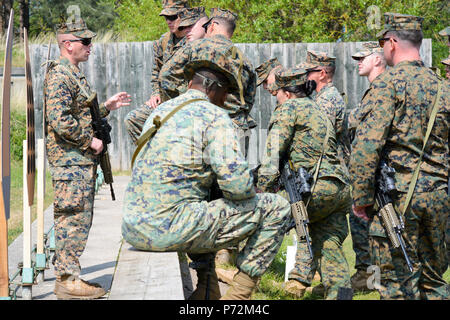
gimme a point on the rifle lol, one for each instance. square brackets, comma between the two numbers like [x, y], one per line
[393, 223]
[102, 130]
[298, 186]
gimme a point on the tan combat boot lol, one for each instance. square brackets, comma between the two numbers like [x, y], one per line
[226, 276]
[296, 288]
[202, 279]
[241, 287]
[70, 287]
[359, 281]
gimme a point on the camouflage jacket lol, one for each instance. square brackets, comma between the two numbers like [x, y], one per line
[172, 81]
[356, 115]
[179, 164]
[297, 131]
[398, 109]
[68, 118]
[330, 100]
[163, 50]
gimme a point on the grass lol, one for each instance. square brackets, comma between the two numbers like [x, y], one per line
[270, 285]
[15, 226]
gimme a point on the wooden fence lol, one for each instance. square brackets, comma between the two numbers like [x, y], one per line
[115, 67]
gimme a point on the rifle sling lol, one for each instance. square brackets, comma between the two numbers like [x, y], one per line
[431, 121]
[147, 135]
[319, 162]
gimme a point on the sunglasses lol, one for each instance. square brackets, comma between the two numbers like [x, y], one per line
[317, 70]
[84, 41]
[382, 41]
[171, 18]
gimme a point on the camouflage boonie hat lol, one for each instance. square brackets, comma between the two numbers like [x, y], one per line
[215, 59]
[316, 59]
[78, 29]
[222, 13]
[397, 22]
[173, 7]
[264, 69]
[190, 16]
[446, 61]
[368, 49]
[445, 32]
[290, 77]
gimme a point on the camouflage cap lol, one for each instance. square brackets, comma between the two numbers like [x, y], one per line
[368, 49]
[290, 77]
[445, 32]
[222, 13]
[397, 21]
[316, 59]
[264, 69]
[78, 29]
[173, 7]
[446, 61]
[212, 58]
[190, 16]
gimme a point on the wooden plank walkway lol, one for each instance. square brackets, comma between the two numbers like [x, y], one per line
[124, 272]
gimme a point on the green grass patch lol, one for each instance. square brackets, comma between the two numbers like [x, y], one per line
[270, 287]
[15, 222]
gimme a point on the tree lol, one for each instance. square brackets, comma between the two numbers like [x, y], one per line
[294, 20]
[5, 9]
[46, 14]
[24, 16]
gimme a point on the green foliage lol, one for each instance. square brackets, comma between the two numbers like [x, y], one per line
[139, 20]
[294, 20]
[45, 14]
[18, 134]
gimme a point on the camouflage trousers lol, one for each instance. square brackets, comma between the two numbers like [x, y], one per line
[74, 189]
[328, 229]
[135, 119]
[447, 240]
[425, 223]
[359, 229]
[202, 227]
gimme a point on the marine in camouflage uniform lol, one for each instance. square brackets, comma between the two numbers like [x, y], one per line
[446, 62]
[331, 102]
[166, 207]
[163, 50]
[329, 99]
[72, 159]
[358, 226]
[239, 102]
[297, 132]
[394, 128]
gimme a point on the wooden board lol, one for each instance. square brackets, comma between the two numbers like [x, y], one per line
[31, 143]
[5, 165]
